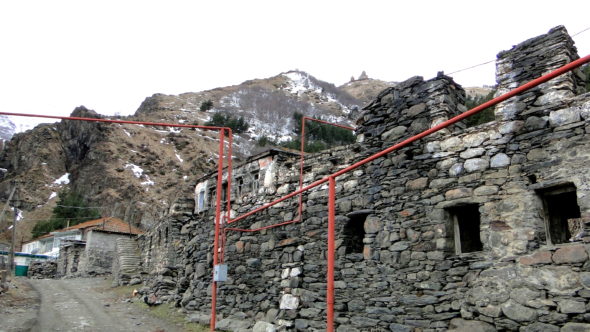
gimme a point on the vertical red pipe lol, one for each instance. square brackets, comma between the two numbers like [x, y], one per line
[217, 222]
[228, 192]
[331, 254]
[301, 161]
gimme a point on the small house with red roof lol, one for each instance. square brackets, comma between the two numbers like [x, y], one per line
[85, 248]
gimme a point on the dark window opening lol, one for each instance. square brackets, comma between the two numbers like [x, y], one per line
[562, 214]
[211, 197]
[465, 221]
[224, 192]
[353, 233]
[255, 184]
[240, 182]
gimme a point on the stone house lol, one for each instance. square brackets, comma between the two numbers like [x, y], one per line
[482, 228]
[85, 248]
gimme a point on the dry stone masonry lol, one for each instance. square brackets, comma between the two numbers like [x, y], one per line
[478, 229]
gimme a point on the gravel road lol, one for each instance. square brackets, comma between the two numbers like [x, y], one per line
[85, 304]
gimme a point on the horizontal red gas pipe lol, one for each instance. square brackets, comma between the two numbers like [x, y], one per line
[113, 121]
[497, 100]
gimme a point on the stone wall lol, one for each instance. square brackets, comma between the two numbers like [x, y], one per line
[468, 228]
[69, 258]
[45, 269]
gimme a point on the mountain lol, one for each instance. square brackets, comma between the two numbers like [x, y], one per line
[7, 129]
[140, 173]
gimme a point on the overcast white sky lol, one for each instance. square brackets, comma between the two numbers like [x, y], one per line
[110, 55]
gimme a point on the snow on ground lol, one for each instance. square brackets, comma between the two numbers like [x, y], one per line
[148, 181]
[126, 133]
[53, 195]
[137, 171]
[64, 179]
[300, 82]
[178, 156]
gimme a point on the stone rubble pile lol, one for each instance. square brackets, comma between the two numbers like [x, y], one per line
[42, 269]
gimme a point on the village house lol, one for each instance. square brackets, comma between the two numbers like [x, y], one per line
[85, 248]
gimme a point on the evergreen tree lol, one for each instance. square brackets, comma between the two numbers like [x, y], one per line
[206, 105]
[71, 207]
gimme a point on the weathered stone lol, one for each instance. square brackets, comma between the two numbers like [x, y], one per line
[462, 325]
[289, 301]
[485, 190]
[575, 327]
[499, 160]
[570, 254]
[539, 327]
[535, 123]
[476, 165]
[451, 144]
[417, 184]
[571, 307]
[262, 326]
[394, 133]
[472, 153]
[373, 225]
[475, 139]
[539, 257]
[394, 327]
[456, 170]
[518, 312]
[458, 193]
[490, 310]
[564, 116]
[510, 127]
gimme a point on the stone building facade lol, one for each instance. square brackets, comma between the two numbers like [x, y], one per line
[482, 228]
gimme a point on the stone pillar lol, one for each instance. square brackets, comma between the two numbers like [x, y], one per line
[532, 59]
[409, 108]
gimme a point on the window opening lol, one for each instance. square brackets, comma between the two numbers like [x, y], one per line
[465, 220]
[240, 182]
[255, 184]
[562, 214]
[201, 201]
[224, 192]
[353, 233]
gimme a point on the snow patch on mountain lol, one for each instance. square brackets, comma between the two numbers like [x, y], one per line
[64, 179]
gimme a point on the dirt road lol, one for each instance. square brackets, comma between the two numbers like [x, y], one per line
[88, 304]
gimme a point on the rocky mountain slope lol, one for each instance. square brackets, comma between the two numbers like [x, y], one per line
[139, 173]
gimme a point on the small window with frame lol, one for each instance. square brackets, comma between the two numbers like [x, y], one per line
[562, 214]
[465, 222]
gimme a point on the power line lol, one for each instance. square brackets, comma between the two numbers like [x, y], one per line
[579, 32]
[490, 61]
[481, 64]
[81, 207]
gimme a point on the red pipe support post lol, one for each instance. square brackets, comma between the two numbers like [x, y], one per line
[331, 254]
[217, 226]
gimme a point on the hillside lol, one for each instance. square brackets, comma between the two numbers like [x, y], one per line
[138, 173]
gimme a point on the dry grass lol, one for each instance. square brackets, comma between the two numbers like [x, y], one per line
[165, 312]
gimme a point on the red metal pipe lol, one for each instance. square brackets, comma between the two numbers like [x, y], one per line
[331, 254]
[217, 227]
[301, 161]
[162, 124]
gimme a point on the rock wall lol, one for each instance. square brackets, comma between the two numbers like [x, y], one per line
[42, 270]
[481, 228]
